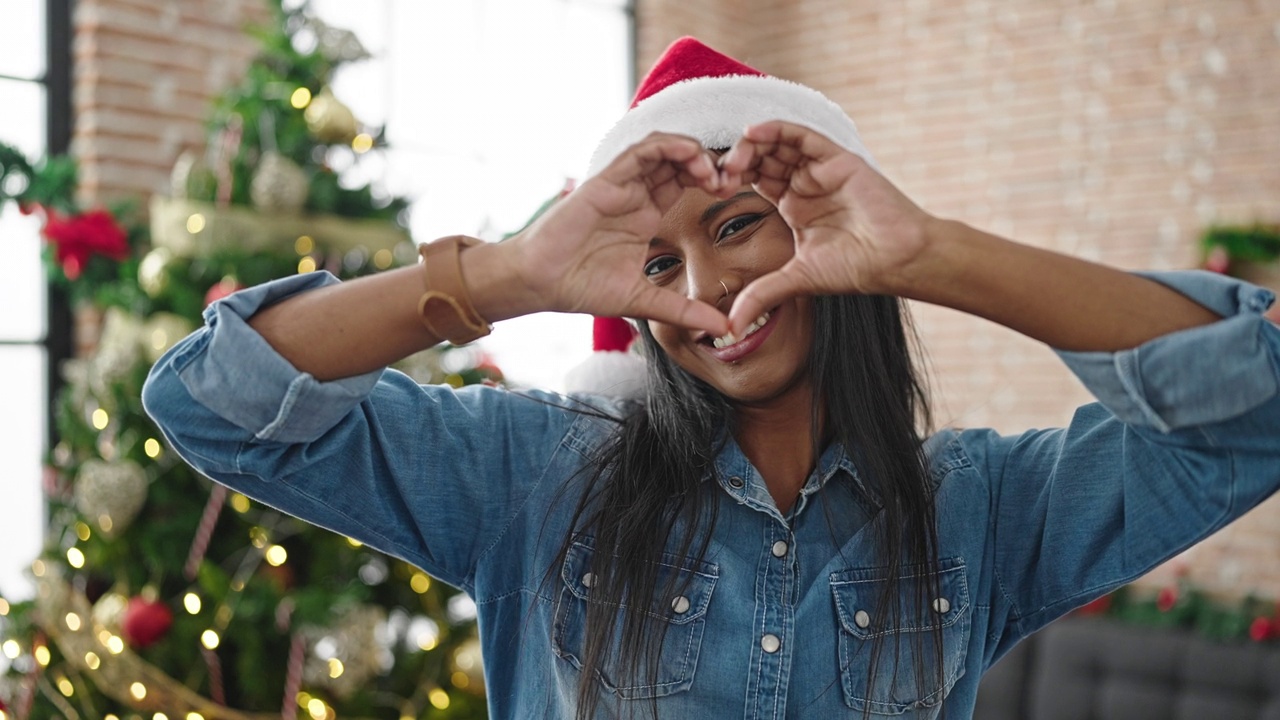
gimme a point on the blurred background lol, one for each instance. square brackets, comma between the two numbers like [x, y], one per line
[224, 143]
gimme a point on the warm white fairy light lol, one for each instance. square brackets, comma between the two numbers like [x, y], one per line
[300, 98]
[82, 530]
[420, 582]
[276, 555]
[159, 716]
[316, 708]
[195, 223]
[306, 265]
[304, 245]
[65, 687]
[138, 691]
[335, 668]
[100, 419]
[362, 143]
[191, 602]
[239, 503]
[152, 448]
[194, 716]
[41, 654]
[73, 622]
[11, 649]
[75, 558]
[439, 698]
[91, 660]
[105, 522]
[209, 638]
[115, 645]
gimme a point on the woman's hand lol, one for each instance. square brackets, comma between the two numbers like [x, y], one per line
[854, 231]
[587, 253]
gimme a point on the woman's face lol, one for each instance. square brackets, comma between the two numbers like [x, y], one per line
[703, 241]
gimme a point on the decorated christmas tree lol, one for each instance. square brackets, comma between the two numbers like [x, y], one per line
[160, 594]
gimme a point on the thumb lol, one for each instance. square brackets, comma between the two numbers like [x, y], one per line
[670, 307]
[765, 292]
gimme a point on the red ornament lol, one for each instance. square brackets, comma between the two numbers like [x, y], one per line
[1261, 629]
[221, 289]
[1167, 598]
[77, 238]
[144, 622]
[1218, 260]
[1097, 607]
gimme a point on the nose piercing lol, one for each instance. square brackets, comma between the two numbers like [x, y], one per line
[726, 289]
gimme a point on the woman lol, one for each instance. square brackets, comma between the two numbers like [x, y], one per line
[767, 533]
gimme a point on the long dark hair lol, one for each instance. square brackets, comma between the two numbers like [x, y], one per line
[646, 486]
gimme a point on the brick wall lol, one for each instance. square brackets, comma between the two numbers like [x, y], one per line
[1113, 131]
[145, 71]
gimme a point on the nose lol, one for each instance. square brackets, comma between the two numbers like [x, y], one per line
[711, 284]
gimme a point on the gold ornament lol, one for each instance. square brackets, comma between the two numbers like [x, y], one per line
[329, 120]
[468, 667]
[278, 185]
[191, 177]
[162, 331]
[108, 611]
[110, 493]
[153, 271]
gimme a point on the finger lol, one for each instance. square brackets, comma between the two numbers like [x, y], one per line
[650, 154]
[807, 142]
[655, 303]
[763, 293]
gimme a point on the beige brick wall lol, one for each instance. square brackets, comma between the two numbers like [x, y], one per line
[1111, 130]
[144, 73]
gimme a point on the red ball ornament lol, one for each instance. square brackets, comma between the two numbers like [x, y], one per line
[1261, 629]
[144, 622]
[1167, 598]
[221, 289]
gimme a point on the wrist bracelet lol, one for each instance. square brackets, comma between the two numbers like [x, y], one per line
[445, 308]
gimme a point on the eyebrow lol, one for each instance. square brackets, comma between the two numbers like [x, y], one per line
[714, 208]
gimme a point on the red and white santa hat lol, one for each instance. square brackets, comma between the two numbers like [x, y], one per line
[696, 91]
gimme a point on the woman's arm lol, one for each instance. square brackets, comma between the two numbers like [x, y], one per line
[856, 233]
[584, 255]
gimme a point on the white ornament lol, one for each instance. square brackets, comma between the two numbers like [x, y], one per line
[278, 185]
[110, 493]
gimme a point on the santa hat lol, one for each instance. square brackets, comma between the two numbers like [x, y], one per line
[696, 91]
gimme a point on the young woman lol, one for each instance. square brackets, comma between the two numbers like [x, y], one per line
[768, 532]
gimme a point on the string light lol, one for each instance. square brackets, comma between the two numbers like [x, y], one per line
[335, 668]
[362, 143]
[209, 638]
[152, 448]
[258, 537]
[104, 522]
[138, 691]
[159, 339]
[304, 245]
[194, 716]
[459, 679]
[4, 607]
[65, 687]
[239, 503]
[100, 419]
[300, 98]
[303, 698]
[42, 655]
[116, 646]
[11, 649]
[316, 708]
[73, 622]
[159, 716]
[195, 223]
[82, 530]
[276, 555]
[110, 716]
[37, 568]
[439, 698]
[420, 582]
[383, 258]
[191, 602]
[354, 543]
[75, 558]
[91, 660]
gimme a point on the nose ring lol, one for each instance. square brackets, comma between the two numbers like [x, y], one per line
[726, 289]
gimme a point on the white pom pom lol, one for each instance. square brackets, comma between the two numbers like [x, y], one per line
[609, 372]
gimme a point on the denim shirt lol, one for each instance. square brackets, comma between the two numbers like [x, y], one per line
[774, 621]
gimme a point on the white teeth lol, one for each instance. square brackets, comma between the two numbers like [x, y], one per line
[729, 339]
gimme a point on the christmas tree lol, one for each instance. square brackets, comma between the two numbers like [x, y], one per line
[160, 594]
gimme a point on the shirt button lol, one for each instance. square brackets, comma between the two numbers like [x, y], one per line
[589, 580]
[736, 482]
[680, 604]
[861, 619]
[941, 605]
[770, 643]
[780, 548]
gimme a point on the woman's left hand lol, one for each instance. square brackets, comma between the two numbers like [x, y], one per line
[854, 231]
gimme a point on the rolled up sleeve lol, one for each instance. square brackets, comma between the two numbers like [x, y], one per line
[1195, 377]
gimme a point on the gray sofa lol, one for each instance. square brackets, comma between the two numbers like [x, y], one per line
[1092, 668]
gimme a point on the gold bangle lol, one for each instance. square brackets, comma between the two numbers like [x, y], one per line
[445, 307]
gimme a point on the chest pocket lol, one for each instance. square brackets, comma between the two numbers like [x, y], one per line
[900, 687]
[684, 614]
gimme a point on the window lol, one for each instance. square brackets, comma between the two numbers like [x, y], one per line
[490, 106]
[35, 97]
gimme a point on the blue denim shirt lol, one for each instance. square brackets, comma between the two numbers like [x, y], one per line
[467, 483]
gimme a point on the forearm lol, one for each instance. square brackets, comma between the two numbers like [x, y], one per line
[1065, 302]
[365, 324]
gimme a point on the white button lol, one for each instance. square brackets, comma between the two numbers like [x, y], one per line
[861, 619]
[680, 604]
[589, 580]
[941, 605]
[780, 548]
[770, 643]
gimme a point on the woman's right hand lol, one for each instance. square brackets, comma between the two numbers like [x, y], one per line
[586, 254]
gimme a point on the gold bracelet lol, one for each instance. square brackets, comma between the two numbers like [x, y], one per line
[445, 308]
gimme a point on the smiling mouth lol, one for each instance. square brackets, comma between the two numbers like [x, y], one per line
[729, 339]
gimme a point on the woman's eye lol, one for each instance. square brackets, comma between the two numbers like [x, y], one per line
[659, 265]
[737, 225]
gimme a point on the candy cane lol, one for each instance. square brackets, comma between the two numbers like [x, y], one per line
[213, 508]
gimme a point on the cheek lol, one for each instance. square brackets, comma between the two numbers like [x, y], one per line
[665, 335]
